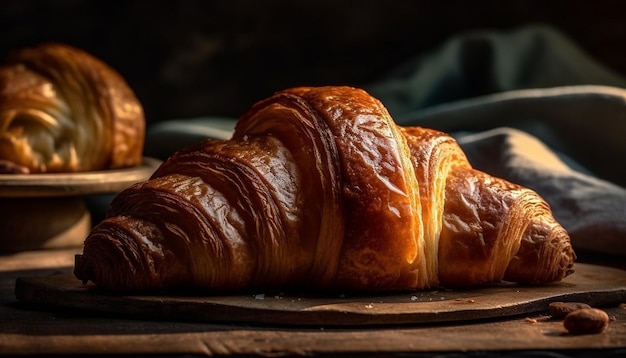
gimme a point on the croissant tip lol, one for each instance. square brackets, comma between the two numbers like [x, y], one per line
[81, 269]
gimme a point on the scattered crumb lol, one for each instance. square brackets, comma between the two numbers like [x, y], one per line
[541, 318]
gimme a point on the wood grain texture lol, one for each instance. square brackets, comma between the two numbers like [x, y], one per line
[33, 328]
[595, 285]
[48, 211]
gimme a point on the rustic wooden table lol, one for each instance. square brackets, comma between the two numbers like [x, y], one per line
[37, 330]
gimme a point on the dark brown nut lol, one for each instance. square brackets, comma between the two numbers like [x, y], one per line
[561, 309]
[586, 321]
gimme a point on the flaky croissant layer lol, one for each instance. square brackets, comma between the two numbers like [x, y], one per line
[319, 188]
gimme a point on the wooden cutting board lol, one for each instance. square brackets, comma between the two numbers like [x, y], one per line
[592, 284]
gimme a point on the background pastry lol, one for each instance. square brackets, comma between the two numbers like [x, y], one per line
[63, 110]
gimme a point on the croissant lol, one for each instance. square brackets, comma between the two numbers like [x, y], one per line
[318, 187]
[63, 110]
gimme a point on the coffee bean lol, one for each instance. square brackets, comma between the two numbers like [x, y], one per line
[561, 309]
[586, 321]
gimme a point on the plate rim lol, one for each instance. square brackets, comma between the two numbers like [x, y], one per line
[75, 184]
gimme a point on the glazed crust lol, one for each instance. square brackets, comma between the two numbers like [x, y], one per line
[63, 110]
[319, 188]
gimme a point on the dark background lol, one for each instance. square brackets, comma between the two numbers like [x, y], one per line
[192, 58]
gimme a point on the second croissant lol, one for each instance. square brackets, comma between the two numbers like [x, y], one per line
[319, 188]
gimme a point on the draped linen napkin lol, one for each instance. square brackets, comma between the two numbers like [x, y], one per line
[566, 143]
[528, 106]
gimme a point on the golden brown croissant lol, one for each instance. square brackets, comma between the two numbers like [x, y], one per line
[63, 110]
[318, 187]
